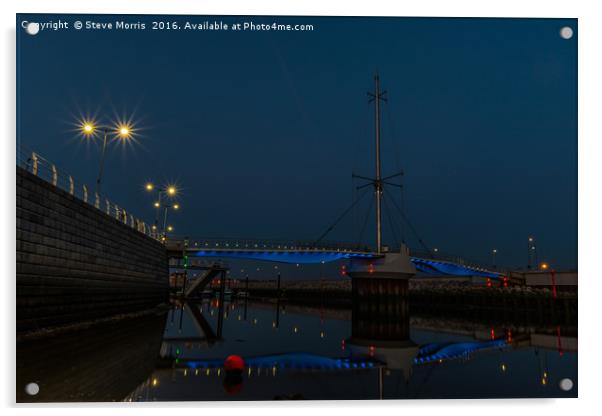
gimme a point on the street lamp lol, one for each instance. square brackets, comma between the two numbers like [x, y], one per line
[165, 207]
[493, 253]
[170, 191]
[122, 131]
[88, 128]
[531, 253]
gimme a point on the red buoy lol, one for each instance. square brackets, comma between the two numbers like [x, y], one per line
[233, 385]
[234, 363]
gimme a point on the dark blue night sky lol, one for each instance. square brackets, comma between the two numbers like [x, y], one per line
[262, 130]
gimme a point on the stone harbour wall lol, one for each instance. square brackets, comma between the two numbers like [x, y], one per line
[75, 263]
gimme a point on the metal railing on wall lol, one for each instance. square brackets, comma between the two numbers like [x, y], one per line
[34, 163]
[269, 244]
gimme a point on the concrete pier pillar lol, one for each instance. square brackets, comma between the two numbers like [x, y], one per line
[380, 318]
[380, 309]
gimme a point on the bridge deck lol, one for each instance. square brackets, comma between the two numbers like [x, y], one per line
[300, 254]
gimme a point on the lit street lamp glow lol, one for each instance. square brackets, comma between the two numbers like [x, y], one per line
[87, 128]
[125, 131]
[167, 191]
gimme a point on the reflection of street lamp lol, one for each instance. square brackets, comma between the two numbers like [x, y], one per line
[278, 282]
[122, 131]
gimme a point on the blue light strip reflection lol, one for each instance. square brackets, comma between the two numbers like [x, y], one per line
[427, 353]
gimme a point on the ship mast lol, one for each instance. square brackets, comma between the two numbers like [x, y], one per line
[378, 185]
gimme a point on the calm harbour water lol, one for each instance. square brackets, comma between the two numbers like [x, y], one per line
[295, 352]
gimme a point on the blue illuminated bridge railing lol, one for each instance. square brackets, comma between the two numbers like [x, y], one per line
[310, 253]
[427, 353]
[440, 267]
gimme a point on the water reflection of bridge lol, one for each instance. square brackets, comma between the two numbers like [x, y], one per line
[377, 364]
[305, 361]
[484, 339]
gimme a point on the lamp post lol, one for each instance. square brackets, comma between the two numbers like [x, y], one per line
[165, 226]
[493, 254]
[531, 253]
[170, 191]
[122, 131]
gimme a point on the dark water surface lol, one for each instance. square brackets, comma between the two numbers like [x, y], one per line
[295, 352]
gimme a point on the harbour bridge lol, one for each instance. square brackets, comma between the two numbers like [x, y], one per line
[298, 252]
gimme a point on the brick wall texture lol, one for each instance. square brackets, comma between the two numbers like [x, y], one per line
[75, 263]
